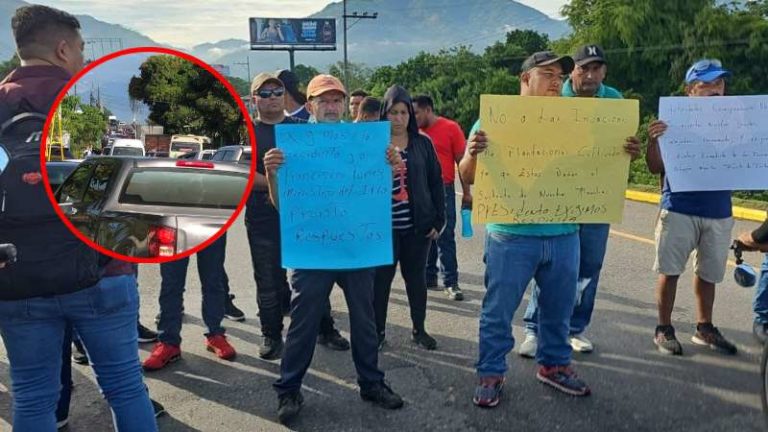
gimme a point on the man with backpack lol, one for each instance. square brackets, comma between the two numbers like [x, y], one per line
[56, 280]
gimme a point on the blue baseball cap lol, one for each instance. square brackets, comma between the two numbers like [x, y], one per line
[706, 70]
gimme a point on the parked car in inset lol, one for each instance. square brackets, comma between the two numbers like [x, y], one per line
[149, 207]
[125, 147]
[199, 155]
[233, 153]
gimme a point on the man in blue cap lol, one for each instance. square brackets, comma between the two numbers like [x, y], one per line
[691, 221]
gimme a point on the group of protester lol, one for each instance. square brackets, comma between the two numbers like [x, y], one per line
[96, 298]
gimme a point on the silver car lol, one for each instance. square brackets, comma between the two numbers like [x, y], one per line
[233, 153]
[151, 207]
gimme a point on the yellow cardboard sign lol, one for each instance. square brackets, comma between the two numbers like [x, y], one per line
[553, 159]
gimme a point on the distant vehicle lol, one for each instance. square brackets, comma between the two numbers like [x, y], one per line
[125, 147]
[181, 144]
[56, 152]
[58, 171]
[233, 153]
[145, 207]
[201, 155]
[157, 145]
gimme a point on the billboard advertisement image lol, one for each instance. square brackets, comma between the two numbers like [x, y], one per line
[296, 33]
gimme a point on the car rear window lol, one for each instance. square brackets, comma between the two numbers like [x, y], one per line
[127, 151]
[184, 187]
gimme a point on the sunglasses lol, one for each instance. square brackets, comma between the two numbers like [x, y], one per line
[264, 94]
[705, 64]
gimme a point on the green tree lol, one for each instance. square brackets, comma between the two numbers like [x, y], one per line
[242, 86]
[359, 74]
[304, 74]
[7, 66]
[650, 44]
[85, 124]
[518, 45]
[185, 98]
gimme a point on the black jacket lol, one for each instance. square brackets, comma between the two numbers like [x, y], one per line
[425, 181]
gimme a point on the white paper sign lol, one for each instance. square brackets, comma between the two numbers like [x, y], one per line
[715, 143]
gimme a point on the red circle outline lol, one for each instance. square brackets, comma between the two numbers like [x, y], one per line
[141, 50]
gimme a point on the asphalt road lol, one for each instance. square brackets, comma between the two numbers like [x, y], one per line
[634, 387]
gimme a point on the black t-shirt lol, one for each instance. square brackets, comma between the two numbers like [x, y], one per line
[259, 211]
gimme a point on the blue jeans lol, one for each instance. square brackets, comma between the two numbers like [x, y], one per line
[311, 289]
[445, 246]
[210, 268]
[510, 264]
[104, 317]
[593, 240]
[760, 304]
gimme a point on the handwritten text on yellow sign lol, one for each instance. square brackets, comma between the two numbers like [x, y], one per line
[552, 159]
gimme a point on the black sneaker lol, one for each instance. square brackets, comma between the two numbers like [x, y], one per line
[231, 311]
[158, 408]
[454, 292]
[146, 335]
[383, 396]
[760, 331]
[432, 286]
[289, 406]
[666, 342]
[709, 335]
[272, 349]
[333, 340]
[424, 340]
[78, 353]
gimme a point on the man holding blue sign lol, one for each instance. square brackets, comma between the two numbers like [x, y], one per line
[262, 223]
[312, 284]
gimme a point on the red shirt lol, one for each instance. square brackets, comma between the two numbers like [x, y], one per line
[449, 143]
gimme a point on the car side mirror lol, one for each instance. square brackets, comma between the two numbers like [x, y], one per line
[68, 209]
[4, 158]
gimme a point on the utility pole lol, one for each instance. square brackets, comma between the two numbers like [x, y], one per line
[358, 17]
[247, 64]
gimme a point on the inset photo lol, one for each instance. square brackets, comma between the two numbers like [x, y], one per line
[147, 155]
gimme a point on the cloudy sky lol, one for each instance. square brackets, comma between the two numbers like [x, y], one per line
[198, 21]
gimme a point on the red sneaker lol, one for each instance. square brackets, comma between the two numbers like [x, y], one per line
[162, 354]
[218, 345]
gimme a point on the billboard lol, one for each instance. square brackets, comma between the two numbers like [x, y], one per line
[293, 33]
[222, 69]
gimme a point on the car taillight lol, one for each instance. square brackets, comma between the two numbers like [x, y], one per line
[162, 241]
[195, 164]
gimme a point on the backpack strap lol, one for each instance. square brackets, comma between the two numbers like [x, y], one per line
[18, 118]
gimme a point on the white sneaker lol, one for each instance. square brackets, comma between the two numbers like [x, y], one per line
[581, 344]
[528, 347]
